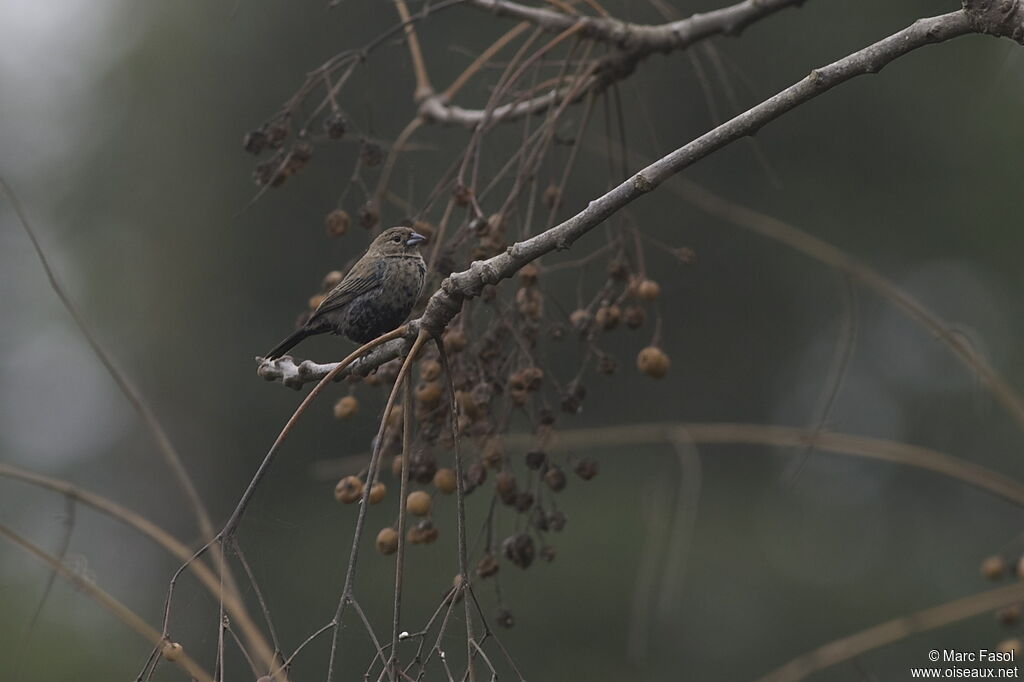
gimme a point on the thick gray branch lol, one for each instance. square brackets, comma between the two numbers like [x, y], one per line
[1004, 18]
[635, 42]
[674, 35]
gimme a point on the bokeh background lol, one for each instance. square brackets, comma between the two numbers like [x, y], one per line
[120, 129]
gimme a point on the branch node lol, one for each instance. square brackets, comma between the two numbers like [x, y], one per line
[641, 183]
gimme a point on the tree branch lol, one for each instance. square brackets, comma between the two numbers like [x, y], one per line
[977, 16]
[635, 42]
[674, 35]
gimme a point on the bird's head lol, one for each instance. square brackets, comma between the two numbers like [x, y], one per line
[396, 241]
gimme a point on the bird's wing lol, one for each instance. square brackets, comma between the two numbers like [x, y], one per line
[359, 280]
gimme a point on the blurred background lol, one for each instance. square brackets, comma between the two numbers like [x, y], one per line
[120, 130]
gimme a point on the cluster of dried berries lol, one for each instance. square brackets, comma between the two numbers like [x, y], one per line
[997, 568]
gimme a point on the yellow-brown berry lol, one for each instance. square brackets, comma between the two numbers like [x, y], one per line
[348, 490]
[418, 503]
[580, 320]
[648, 290]
[444, 481]
[377, 492]
[331, 280]
[528, 274]
[1012, 645]
[993, 568]
[172, 651]
[430, 370]
[387, 541]
[315, 300]
[429, 394]
[653, 362]
[346, 407]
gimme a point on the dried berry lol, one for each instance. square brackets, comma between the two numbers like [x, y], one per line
[298, 157]
[608, 316]
[530, 303]
[519, 550]
[993, 568]
[1009, 615]
[547, 552]
[555, 478]
[377, 492]
[552, 195]
[346, 407]
[535, 459]
[487, 566]
[618, 269]
[648, 290]
[653, 362]
[430, 370]
[337, 222]
[331, 280]
[422, 466]
[335, 125]
[505, 619]
[523, 502]
[429, 394]
[369, 216]
[276, 134]
[580, 320]
[454, 340]
[348, 490]
[556, 520]
[255, 141]
[635, 316]
[606, 364]
[476, 474]
[586, 468]
[462, 195]
[445, 482]
[423, 533]
[493, 452]
[172, 651]
[370, 153]
[528, 274]
[418, 503]
[387, 541]
[572, 398]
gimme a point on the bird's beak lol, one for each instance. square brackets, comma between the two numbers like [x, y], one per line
[414, 239]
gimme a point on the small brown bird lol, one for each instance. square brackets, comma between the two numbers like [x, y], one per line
[376, 295]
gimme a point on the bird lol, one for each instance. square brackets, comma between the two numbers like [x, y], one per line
[376, 295]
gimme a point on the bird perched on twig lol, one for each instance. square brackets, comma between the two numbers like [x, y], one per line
[376, 295]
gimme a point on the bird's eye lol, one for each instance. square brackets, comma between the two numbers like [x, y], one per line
[397, 238]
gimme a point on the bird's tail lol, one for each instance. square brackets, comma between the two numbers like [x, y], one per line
[293, 339]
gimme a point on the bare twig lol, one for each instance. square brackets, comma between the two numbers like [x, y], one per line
[122, 612]
[894, 630]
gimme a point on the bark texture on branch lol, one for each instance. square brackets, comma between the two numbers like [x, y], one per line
[1004, 18]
